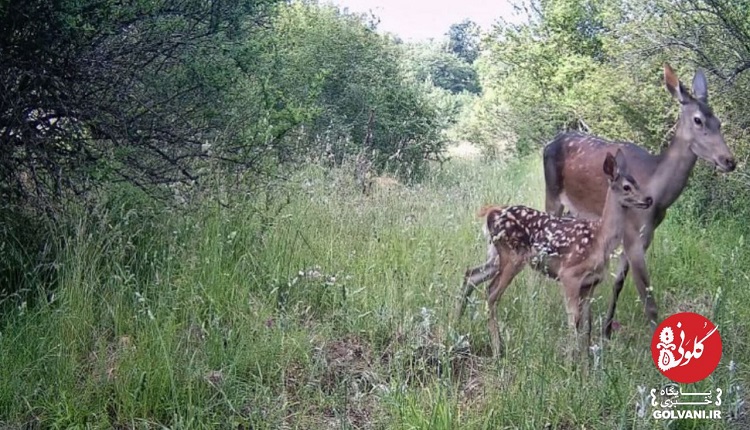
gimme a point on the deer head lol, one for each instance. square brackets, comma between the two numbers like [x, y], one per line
[697, 126]
[622, 185]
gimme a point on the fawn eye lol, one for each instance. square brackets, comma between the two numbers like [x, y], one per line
[697, 121]
[627, 188]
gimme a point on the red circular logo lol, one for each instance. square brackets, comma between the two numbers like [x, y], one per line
[686, 347]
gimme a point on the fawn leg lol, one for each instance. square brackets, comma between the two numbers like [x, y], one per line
[636, 241]
[508, 271]
[622, 274]
[572, 289]
[473, 277]
[635, 248]
[587, 293]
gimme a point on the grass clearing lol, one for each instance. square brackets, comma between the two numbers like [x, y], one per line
[335, 312]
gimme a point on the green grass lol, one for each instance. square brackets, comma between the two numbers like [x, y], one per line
[334, 311]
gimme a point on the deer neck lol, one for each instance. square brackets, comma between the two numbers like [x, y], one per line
[673, 171]
[611, 226]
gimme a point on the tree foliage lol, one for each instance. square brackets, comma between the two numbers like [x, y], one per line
[159, 91]
[98, 91]
[355, 70]
[710, 34]
[562, 69]
[444, 69]
[463, 40]
[596, 66]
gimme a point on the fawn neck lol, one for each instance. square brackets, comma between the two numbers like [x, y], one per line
[611, 226]
[673, 171]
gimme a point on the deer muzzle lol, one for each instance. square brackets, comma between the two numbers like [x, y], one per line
[726, 163]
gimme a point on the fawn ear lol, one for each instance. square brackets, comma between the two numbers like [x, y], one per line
[610, 165]
[674, 85]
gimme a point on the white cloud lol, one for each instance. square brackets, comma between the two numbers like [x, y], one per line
[424, 19]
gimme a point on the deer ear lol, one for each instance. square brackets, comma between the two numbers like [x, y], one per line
[673, 84]
[610, 165]
[620, 161]
[700, 88]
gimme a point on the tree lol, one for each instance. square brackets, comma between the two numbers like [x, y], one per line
[463, 40]
[98, 91]
[426, 61]
[562, 69]
[354, 70]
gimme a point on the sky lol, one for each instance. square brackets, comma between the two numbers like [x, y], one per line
[418, 20]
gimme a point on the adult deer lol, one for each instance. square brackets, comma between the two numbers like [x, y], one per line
[574, 251]
[573, 179]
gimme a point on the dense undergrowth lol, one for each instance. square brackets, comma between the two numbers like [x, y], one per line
[318, 307]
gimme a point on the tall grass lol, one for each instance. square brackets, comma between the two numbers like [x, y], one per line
[334, 311]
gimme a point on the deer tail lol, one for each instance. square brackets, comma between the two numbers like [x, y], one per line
[485, 212]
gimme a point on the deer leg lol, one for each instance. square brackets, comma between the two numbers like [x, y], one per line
[495, 291]
[553, 204]
[552, 155]
[473, 277]
[622, 274]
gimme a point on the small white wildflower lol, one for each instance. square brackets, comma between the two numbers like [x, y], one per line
[596, 352]
[640, 405]
[640, 410]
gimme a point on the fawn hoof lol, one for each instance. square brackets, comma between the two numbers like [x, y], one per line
[498, 349]
[498, 353]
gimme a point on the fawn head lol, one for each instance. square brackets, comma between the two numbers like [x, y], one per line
[624, 186]
[697, 126]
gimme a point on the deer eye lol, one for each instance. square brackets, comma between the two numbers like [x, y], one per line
[627, 188]
[697, 121]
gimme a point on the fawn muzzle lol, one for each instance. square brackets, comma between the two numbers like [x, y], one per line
[647, 202]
